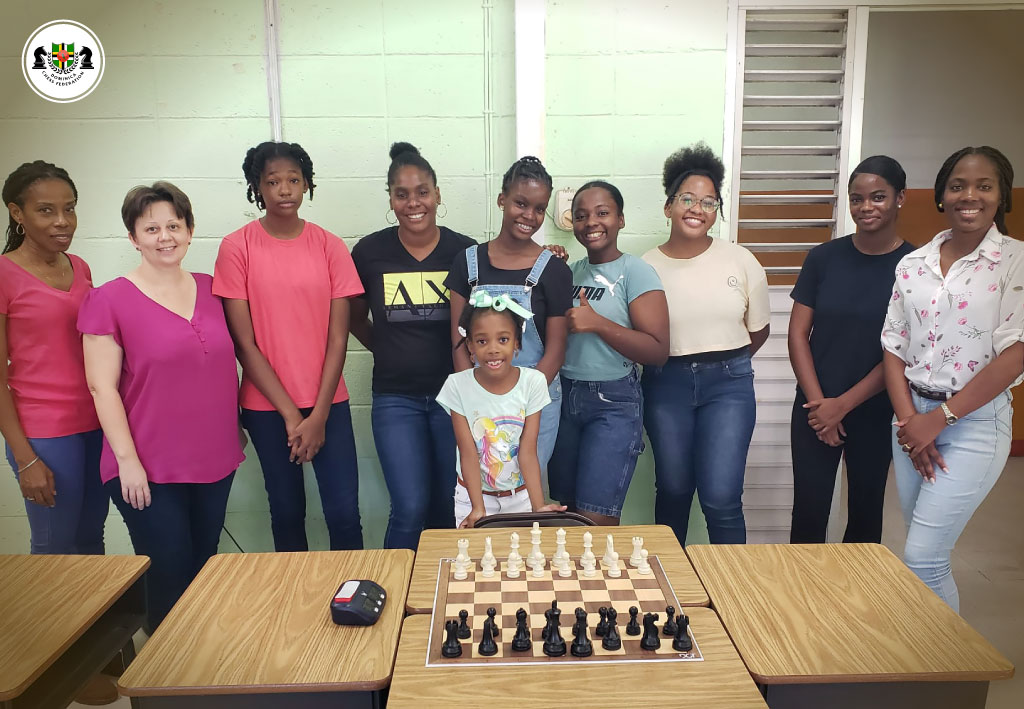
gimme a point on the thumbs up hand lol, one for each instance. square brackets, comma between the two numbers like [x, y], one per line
[583, 318]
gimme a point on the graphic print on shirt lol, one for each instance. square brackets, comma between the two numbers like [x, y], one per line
[417, 296]
[599, 278]
[497, 444]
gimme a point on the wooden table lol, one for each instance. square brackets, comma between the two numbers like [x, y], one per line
[659, 540]
[844, 625]
[720, 681]
[255, 630]
[62, 619]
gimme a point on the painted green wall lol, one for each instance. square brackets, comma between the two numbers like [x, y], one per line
[184, 95]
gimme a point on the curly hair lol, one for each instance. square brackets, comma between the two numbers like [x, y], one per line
[17, 184]
[256, 160]
[403, 154]
[698, 159]
[1004, 173]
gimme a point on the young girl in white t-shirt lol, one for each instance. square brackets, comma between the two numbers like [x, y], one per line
[495, 409]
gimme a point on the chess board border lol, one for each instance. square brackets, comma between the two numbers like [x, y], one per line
[436, 634]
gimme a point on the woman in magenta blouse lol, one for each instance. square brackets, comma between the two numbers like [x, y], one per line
[161, 367]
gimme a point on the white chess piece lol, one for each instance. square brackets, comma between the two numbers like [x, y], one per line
[634, 558]
[645, 566]
[538, 568]
[488, 562]
[609, 549]
[515, 561]
[536, 555]
[560, 552]
[589, 566]
[613, 569]
[462, 560]
[564, 567]
[588, 551]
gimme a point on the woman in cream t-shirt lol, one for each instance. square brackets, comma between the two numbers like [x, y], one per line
[699, 408]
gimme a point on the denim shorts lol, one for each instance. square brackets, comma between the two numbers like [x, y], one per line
[600, 437]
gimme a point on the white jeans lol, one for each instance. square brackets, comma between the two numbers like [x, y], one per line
[517, 502]
[975, 449]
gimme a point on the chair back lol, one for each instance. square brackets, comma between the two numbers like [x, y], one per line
[526, 519]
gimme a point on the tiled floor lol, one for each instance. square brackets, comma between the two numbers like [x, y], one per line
[988, 563]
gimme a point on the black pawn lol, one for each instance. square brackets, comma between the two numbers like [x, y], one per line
[650, 640]
[682, 642]
[581, 645]
[464, 630]
[602, 625]
[633, 627]
[451, 646]
[669, 629]
[612, 640]
[491, 613]
[554, 644]
[521, 641]
[487, 645]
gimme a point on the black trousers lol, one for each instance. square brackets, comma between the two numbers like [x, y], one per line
[868, 452]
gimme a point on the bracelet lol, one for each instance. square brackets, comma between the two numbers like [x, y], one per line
[34, 461]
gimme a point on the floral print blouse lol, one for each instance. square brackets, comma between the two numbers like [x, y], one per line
[947, 329]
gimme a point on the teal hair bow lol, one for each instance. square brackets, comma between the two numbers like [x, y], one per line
[483, 299]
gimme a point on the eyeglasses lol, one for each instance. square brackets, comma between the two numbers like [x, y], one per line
[688, 199]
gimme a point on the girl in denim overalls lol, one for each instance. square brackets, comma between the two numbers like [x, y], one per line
[514, 265]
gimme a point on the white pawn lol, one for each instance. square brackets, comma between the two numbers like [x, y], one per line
[536, 555]
[589, 565]
[538, 568]
[462, 561]
[515, 561]
[488, 562]
[609, 549]
[644, 567]
[634, 558]
[564, 567]
[613, 570]
[588, 550]
[560, 553]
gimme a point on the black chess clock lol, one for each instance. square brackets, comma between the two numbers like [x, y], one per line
[358, 602]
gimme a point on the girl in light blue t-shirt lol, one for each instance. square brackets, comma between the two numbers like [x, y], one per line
[621, 320]
[495, 409]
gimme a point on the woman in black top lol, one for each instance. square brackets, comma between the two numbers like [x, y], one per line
[402, 269]
[839, 304]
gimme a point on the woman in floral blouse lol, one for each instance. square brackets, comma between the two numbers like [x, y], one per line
[952, 341]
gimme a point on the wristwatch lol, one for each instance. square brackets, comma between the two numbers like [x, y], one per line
[951, 418]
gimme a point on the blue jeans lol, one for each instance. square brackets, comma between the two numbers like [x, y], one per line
[179, 532]
[74, 525]
[416, 447]
[337, 475]
[700, 417]
[600, 436]
[975, 449]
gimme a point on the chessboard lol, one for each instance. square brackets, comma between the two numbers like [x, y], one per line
[650, 593]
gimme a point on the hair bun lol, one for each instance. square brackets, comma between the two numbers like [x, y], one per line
[531, 159]
[402, 147]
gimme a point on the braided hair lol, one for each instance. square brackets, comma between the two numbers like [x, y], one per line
[17, 185]
[470, 313]
[698, 159]
[256, 159]
[1004, 173]
[403, 154]
[527, 167]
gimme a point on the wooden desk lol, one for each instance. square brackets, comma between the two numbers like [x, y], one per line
[659, 540]
[62, 619]
[720, 681]
[255, 630]
[844, 625]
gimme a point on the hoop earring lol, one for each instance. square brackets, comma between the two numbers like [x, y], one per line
[442, 204]
[388, 219]
[20, 229]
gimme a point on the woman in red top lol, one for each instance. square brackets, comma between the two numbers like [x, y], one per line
[46, 414]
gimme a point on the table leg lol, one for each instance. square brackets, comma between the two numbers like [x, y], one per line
[877, 695]
[110, 634]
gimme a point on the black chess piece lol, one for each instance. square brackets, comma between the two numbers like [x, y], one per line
[487, 645]
[581, 644]
[612, 640]
[554, 644]
[633, 627]
[521, 641]
[86, 55]
[547, 616]
[464, 629]
[451, 646]
[602, 625]
[491, 613]
[669, 629]
[682, 642]
[39, 54]
[650, 640]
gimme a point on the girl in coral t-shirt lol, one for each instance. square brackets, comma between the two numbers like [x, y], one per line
[286, 284]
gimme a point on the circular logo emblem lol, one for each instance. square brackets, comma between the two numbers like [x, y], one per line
[63, 61]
